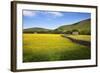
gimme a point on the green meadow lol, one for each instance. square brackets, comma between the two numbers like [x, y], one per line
[53, 47]
[81, 37]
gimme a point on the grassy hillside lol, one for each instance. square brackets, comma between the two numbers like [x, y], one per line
[35, 29]
[83, 27]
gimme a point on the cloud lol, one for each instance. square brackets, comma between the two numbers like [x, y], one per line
[29, 13]
[34, 13]
[56, 13]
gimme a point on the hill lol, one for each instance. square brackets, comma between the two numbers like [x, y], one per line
[83, 27]
[36, 29]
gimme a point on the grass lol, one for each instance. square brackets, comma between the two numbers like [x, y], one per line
[51, 47]
[81, 37]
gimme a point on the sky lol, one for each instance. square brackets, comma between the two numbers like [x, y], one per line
[51, 19]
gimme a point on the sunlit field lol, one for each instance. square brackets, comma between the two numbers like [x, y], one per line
[81, 37]
[52, 47]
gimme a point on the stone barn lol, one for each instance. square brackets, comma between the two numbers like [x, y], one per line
[75, 32]
[35, 32]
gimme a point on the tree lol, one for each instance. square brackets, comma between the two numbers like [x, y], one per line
[75, 30]
[68, 32]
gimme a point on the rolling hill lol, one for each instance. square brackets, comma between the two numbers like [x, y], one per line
[83, 27]
[35, 29]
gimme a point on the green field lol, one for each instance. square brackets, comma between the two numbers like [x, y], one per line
[52, 47]
[81, 37]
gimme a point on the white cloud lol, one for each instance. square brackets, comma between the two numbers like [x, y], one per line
[29, 13]
[56, 13]
[33, 13]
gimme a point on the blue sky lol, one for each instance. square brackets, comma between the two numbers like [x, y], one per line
[51, 19]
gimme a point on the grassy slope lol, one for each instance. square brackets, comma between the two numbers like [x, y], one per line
[51, 47]
[81, 37]
[35, 29]
[81, 26]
